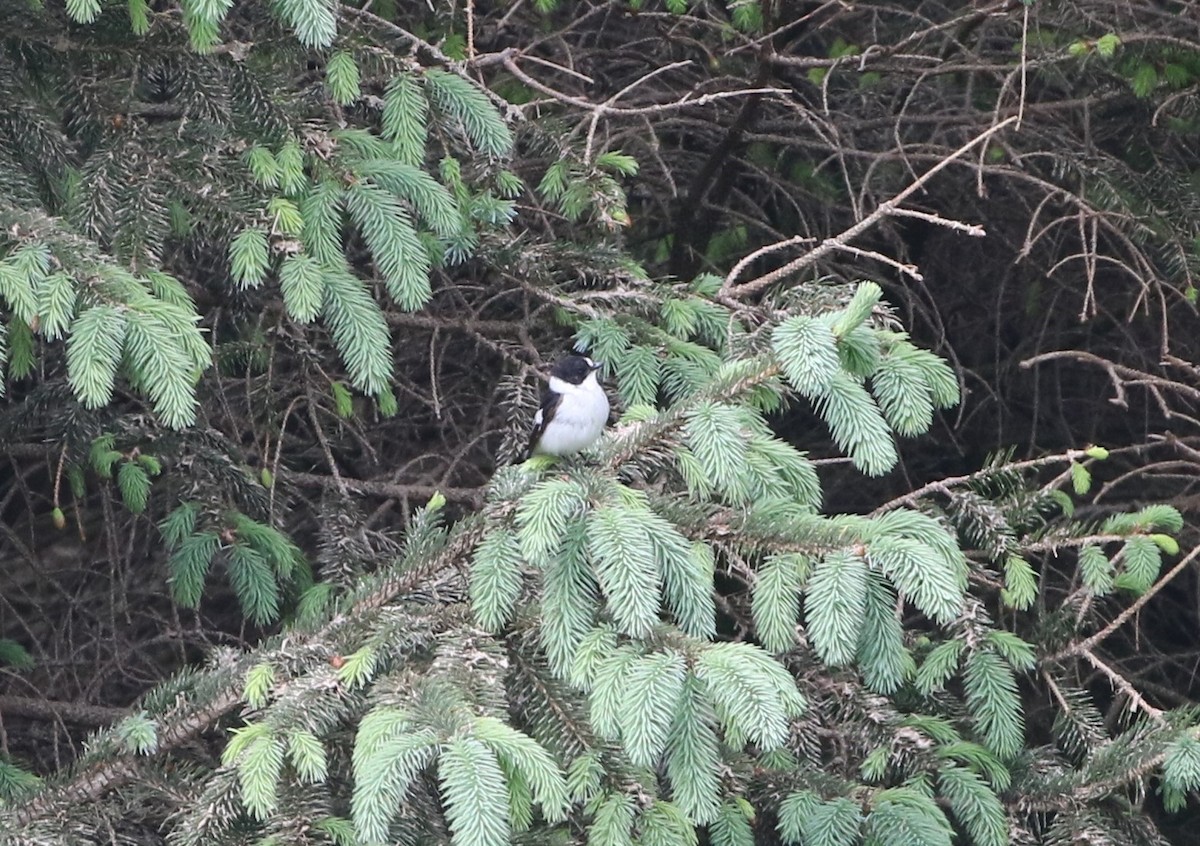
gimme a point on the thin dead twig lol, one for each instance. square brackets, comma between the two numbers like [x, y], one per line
[686, 101]
[1083, 647]
[729, 290]
[1125, 686]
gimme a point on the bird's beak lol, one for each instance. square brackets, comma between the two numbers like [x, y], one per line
[596, 365]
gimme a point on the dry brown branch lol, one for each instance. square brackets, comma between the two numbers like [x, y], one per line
[46, 709]
[1124, 686]
[1088, 644]
[1120, 375]
[735, 291]
[419, 493]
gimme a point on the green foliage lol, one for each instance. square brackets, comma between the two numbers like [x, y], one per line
[582, 191]
[12, 654]
[938, 666]
[807, 352]
[543, 515]
[693, 755]
[473, 789]
[302, 285]
[520, 755]
[254, 584]
[716, 438]
[342, 77]
[732, 826]
[313, 21]
[1181, 770]
[460, 100]
[858, 426]
[794, 812]
[15, 783]
[389, 233]
[833, 606]
[359, 330]
[257, 755]
[248, 257]
[56, 305]
[83, 11]
[285, 214]
[405, 115]
[93, 353]
[1095, 569]
[776, 600]
[881, 653]
[258, 560]
[387, 757]
[638, 375]
[835, 822]
[922, 560]
[612, 823]
[906, 816]
[654, 686]
[1152, 518]
[307, 756]
[259, 681]
[825, 360]
[189, 564]
[1141, 558]
[1081, 479]
[570, 599]
[139, 734]
[994, 703]
[975, 805]
[751, 694]
[1020, 583]
[619, 544]
[134, 484]
[495, 579]
[662, 824]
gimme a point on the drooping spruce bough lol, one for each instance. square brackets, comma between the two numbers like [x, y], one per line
[666, 642]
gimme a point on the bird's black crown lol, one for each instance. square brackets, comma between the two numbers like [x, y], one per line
[573, 369]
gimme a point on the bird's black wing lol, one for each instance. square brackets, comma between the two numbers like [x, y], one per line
[550, 402]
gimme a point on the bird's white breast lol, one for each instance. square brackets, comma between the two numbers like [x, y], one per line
[579, 418]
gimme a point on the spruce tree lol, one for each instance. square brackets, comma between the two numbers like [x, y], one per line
[224, 224]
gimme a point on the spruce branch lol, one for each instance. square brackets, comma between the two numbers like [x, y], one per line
[187, 720]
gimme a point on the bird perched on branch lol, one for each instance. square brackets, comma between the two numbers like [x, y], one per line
[574, 409]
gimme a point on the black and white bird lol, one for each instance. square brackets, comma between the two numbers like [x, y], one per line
[574, 409]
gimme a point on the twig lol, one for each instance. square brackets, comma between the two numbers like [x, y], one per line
[972, 229]
[1118, 681]
[388, 489]
[884, 209]
[684, 102]
[71, 712]
[750, 258]
[1119, 374]
[470, 7]
[944, 485]
[909, 270]
[325, 448]
[582, 77]
[1087, 645]
[607, 104]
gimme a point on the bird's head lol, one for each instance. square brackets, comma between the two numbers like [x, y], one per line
[575, 369]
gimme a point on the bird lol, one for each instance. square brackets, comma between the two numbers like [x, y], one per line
[574, 409]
